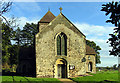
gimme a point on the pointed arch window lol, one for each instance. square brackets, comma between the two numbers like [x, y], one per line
[58, 45]
[62, 44]
[90, 66]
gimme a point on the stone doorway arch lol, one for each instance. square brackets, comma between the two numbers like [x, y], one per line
[61, 68]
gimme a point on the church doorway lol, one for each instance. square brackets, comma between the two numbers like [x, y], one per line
[61, 68]
[90, 66]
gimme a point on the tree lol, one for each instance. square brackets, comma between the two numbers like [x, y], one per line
[113, 9]
[108, 68]
[6, 43]
[115, 66]
[17, 37]
[9, 51]
[28, 34]
[4, 8]
[96, 48]
[0, 39]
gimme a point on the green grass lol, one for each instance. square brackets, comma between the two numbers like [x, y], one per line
[7, 78]
[19, 79]
[99, 76]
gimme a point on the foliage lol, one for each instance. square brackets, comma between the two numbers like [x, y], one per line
[113, 10]
[17, 37]
[96, 48]
[28, 34]
[115, 66]
[8, 50]
[0, 43]
[13, 58]
[4, 8]
[6, 43]
[99, 76]
[108, 68]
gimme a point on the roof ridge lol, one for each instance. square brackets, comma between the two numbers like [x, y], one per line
[72, 24]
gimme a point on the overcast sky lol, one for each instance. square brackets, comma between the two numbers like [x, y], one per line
[86, 16]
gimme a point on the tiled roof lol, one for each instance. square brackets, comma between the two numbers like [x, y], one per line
[90, 50]
[48, 17]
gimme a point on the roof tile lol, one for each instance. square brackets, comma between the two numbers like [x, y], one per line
[48, 17]
[90, 50]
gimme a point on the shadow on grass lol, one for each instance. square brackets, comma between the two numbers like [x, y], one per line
[10, 74]
[16, 74]
[13, 75]
[33, 82]
[27, 79]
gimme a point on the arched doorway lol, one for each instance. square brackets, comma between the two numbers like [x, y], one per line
[61, 66]
[90, 66]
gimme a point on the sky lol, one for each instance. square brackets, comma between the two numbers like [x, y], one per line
[86, 16]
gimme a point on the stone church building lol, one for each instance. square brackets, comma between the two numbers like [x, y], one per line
[60, 50]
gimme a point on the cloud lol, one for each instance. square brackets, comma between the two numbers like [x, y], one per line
[23, 20]
[108, 57]
[25, 9]
[94, 29]
[118, 60]
[100, 35]
[108, 61]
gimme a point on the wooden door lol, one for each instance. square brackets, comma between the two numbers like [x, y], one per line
[63, 71]
[59, 71]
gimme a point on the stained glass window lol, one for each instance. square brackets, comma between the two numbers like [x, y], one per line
[62, 44]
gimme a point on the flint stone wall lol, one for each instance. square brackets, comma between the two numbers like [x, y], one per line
[46, 50]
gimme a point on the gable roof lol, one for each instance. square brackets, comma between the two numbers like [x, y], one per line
[74, 27]
[90, 50]
[73, 24]
[48, 17]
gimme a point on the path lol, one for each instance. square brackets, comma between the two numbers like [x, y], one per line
[65, 80]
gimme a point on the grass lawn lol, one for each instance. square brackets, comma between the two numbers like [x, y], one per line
[20, 79]
[111, 76]
[100, 77]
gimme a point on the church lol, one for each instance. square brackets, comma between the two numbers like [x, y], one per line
[60, 50]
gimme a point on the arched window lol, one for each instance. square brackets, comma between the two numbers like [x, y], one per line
[90, 66]
[62, 44]
[58, 45]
